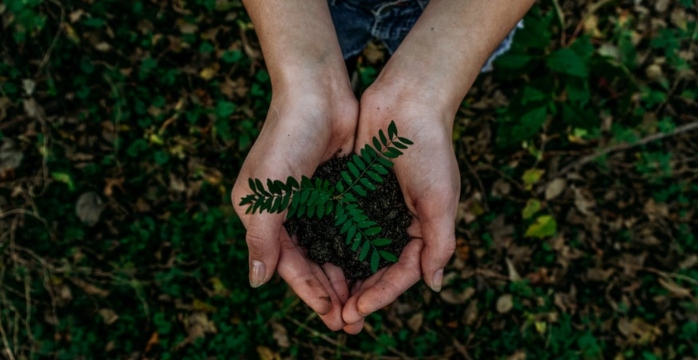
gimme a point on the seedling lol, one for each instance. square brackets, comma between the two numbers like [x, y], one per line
[320, 198]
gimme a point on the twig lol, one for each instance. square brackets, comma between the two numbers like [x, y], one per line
[625, 146]
[561, 18]
[479, 182]
[47, 56]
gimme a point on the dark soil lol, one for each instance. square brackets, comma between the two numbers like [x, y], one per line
[322, 239]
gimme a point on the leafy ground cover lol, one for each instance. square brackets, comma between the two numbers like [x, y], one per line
[123, 125]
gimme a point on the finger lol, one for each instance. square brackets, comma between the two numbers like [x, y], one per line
[338, 281]
[439, 237]
[385, 286]
[333, 319]
[295, 270]
[355, 328]
[396, 280]
[263, 232]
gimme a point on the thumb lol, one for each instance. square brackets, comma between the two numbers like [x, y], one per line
[263, 233]
[439, 236]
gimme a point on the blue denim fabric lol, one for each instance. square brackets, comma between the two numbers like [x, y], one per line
[357, 21]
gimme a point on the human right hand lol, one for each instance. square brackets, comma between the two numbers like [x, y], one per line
[305, 126]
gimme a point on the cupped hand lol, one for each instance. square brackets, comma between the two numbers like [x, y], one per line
[304, 127]
[430, 182]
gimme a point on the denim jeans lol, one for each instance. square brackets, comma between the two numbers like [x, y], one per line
[357, 21]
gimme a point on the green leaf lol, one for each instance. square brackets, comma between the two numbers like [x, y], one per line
[312, 199]
[399, 145]
[276, 204]
[375, 258]
[371, 151]
[545, 226]
[349, 197]
[359, 190]
[291, 183]
[372, 231]
[272, 187]
[532, 207]
[320, 210]
[388, 256]
[364, 250]
[385, 162]
[64, 178]
[376, 144]
[532, 176]
[260, 188]
[305, 194]
[384, 140]
[392, 129]
[366, 224]
[379, 168]
[350, 234]
[284, 202]
[224, 109]
[406, 141]
[395, 151]
[354, 170]
[340, 187]
[381, 242]
[328, 207]
[367, 184]
[567, 61]
[347, 178]
[357, 242]
[346, 227]
[374, 176]
[359, 163]
[252, 185]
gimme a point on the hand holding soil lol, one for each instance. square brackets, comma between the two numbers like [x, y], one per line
[300, 132]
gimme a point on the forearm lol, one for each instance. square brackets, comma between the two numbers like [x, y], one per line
[444, 52]
[298, 40]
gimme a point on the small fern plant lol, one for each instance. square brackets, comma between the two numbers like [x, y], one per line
[320, 198]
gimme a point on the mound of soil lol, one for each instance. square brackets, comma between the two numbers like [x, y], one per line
[322, 240]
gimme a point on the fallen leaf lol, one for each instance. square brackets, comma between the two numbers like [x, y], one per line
[544, 226]
[674, 288]
[10, 155]
[89, 207]
[505, 303]
[531, 176]
[415, 322]
[454, 297]
[108, 316]
[513, 274]
[532, 207]
[280, 335]
[266, 353]
[555, 188]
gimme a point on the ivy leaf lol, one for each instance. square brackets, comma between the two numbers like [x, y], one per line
[545, 226]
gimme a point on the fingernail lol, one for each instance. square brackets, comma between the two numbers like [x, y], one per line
[437, 280]
[257, 274]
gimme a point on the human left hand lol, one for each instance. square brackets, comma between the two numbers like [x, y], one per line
[430, 182]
